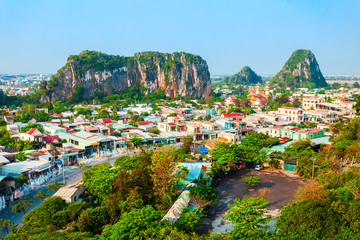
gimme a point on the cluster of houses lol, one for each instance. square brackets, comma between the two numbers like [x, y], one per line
[69, 137]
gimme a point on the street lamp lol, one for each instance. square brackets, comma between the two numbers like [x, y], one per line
[312, 175]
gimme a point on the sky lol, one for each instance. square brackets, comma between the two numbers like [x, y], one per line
[38, 36]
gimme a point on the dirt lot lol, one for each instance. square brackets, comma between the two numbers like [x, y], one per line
[282, 186]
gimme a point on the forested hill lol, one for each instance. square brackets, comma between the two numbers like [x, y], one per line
[300, 70]
[245, 76]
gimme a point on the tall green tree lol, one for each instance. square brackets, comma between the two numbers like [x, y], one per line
[136, 141]
[303, 152]
[165, 171]
[23, 204]
[41, 195]
[247, 218]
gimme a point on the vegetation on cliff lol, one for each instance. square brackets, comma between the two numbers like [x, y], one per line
[300, 70]
[245, 76]
[96, 71]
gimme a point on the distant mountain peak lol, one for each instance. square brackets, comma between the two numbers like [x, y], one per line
[300, 70]
[245, 76]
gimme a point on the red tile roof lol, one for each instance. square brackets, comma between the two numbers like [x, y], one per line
[278, 126]
[311, 130]
[284, 139]
[233, 115]
[293, 108]
[31, 131]
[262, 100]
[171, 124]
[78, 149]
[107, 120]
[67, 128]
[144, 122]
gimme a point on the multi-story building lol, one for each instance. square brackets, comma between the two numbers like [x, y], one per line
[293, 114]
[211, 126]
[167, 126]
[309, 103]
[310, 134]
[229, 136]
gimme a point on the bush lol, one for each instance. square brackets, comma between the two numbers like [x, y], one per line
[60, 219]
[2, 122]
[154, 131]
[274, 163]
[308, 218]
[251, 180]
[93, 220]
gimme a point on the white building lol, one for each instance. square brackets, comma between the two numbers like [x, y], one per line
[293, 114]
[33, 135]
[310, 102]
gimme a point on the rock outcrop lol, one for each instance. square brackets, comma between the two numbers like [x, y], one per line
[176, 74]
[245, 76]
[300, 70]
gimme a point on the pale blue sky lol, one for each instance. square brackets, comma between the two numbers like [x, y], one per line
[37, 36]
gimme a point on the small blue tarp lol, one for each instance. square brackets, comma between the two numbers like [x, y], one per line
[202, 149]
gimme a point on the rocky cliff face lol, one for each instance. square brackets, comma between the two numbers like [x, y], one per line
[300, 70]
[177, 74]
[245, 76]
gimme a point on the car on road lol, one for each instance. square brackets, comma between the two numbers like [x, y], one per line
[258, 167]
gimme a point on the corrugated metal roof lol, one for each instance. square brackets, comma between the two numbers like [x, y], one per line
[65, 192]
[178, 134]
[75, 138]
[4, 160]
[24, 166]
[3, 177]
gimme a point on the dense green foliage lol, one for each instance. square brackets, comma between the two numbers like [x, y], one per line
[328, 210]
[5, 138]
[252, 149]
[127, 162]
[140, 222]
[347, 140]
[29, 126]
[155, 131]
[98, 61]
[247, 218]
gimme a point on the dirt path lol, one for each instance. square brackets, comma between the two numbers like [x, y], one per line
[282, 186]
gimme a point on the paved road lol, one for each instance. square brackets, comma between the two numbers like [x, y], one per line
[72, 176]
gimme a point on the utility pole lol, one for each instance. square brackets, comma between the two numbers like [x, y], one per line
[312, 175]
[194, 141]
[52, 162]
[63, 171]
